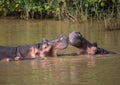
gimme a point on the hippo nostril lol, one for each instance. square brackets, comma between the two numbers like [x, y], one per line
[61, 38]
[45, 47]
[79, 34]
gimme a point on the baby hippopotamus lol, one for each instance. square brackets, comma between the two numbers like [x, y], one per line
[38, 51]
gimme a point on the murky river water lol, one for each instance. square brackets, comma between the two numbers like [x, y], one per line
[64, 70]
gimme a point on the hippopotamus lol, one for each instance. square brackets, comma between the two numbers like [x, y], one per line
[85, 47]
[33, 51]
[38, 50]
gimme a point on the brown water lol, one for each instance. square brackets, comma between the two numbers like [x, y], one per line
[64, 70]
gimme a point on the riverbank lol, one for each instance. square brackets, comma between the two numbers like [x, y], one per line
[74, 10]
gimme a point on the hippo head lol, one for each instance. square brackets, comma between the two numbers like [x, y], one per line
[77, 40]
[92, 49]
[58, 44]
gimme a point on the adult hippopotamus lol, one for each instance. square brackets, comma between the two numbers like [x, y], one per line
[84, 46]
[39, 50]
[24, 52]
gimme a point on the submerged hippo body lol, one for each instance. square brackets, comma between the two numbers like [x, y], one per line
[46, 48]
[7, 52]
[24, 52]
[103, 51]
[84, 46]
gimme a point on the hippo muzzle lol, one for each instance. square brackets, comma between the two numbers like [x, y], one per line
[76, 39]
[59, 43]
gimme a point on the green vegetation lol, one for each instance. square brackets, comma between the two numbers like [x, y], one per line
[74, 10]
[60, 9]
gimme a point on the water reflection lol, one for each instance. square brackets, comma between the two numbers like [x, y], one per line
[66, 69]
[63, 70]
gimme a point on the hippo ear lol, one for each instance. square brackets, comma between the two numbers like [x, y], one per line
[78, 33]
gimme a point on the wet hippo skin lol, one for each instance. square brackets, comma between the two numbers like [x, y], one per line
[43, 49]
[20, 52]
[85, 47]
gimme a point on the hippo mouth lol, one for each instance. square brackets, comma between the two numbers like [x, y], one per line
[60, 42]
[76, 39]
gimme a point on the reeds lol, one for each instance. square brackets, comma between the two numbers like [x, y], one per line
[75, 10]
[112, 24]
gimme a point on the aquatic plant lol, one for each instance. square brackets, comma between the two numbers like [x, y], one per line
[112, 24]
